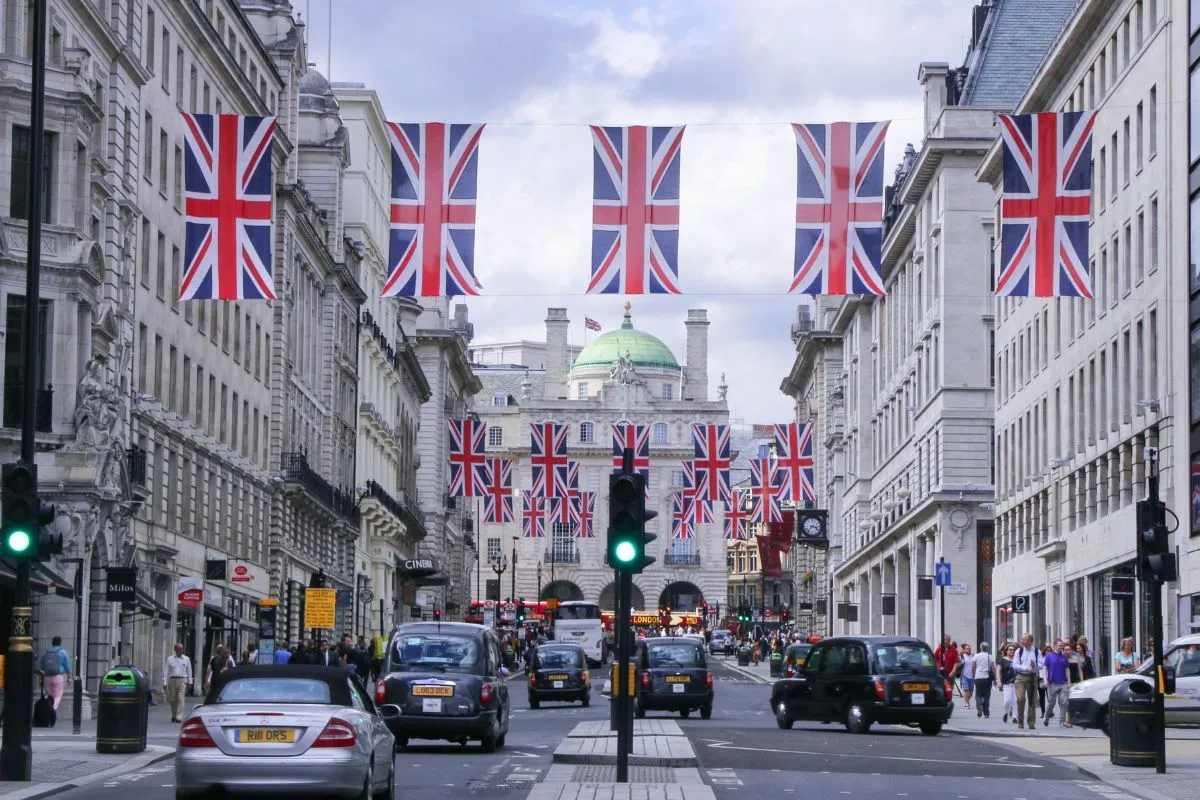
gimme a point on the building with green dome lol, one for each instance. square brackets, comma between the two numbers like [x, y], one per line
[623, 375]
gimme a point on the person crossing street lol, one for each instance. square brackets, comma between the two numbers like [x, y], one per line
[180, 680]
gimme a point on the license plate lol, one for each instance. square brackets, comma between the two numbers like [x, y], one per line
[679, 688]
[558, 684]
[916, 687]
[266, 736]
[433, 691]
[429, 706]
[918, 699]
[558, 677]
[678, 679]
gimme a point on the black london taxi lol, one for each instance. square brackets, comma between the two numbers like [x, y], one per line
[862, 680]
[672, 675]
[446, 680]
[559, 672]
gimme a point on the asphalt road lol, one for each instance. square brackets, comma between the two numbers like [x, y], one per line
[742, 755]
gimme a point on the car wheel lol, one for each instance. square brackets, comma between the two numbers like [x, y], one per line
[782, 718]
[586, 698]
[534, 703]
[706, 712]
[639, 710]
[491, 739]
[389, 793]
[684, 712]
[1104, 721]
[366, 793]
[856, 719]
[931, 728]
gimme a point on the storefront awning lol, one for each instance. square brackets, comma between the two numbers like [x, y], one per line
[151, 607]
[41, 579]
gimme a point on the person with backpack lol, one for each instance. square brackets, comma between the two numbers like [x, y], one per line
[55, 667]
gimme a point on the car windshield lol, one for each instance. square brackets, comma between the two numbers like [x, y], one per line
[901, 657]
[1185, 659]
[558, 659]
[274, 690]
[437, 651]
[674, 655]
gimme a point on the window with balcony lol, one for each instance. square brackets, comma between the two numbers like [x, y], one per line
[18, 197]
[562, 545]
[14, 365]
[493, 548]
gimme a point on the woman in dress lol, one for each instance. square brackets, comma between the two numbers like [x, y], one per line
[1006, 678]
[1126, 659]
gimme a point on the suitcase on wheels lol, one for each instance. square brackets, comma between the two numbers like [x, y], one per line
[44, 715]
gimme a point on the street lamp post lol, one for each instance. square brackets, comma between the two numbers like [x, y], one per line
[514, 572]
[539, 586]
[499, 564]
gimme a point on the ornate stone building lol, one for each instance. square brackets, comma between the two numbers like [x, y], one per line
[624, 375]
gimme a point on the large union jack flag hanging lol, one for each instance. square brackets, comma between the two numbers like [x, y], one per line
[227, 207]
[497, 498]
[765, 491]
[681, 518]
[584, 511]
[562, 509]
[548, 457]
[434, 175]
[839, 208]
[533, 523]
[635, 211]
[1046, 206]
[699, 509]
[637, 438]
[794, 453]
[712, 462]
[468, 463]
[735, 516]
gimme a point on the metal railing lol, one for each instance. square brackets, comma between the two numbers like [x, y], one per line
[14, 408]
[682, 559]
[409, 515]
[295, 469]
[135, 464]
[561, 555]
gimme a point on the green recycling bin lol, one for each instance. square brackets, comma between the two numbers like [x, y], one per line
[744, 656]
[123, 710]
[776, 665]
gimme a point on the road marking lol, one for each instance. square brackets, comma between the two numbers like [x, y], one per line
[881, 758]
[1104, 790]
[133, 777]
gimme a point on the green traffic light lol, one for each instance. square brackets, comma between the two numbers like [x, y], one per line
[625, 551]
[18, 541]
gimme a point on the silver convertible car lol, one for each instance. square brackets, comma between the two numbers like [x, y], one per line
[285, 730]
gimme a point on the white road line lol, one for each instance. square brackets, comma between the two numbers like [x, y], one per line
[857, 755]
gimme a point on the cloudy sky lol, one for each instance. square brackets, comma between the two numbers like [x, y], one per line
[735, 71]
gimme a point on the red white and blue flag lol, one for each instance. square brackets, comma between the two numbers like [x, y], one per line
[765, 490]
[434, 174]
[468, 462]
[497, 498]
[699, 509]
[636, 438]
[681, 518]
[1046, 207]
[563, 508]
[533, 523]
[227, 188]
[584, 511]
[735, 516]
[712, 461]
[548, 458]
[839, 208]
[794, 461]
[635, 210]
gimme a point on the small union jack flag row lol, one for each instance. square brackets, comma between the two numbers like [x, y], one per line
[1044, 210]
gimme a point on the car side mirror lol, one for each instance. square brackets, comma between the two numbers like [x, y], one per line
[390, 711]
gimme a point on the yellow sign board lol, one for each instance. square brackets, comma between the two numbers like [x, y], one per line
[268, 602]
[630, 680]
[320, 608]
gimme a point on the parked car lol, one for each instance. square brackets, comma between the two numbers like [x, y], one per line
[559, 672]
[722, 642]
[447, 681]
[672, 675]
[863, 680]
[290, 729]
[1087, 704]
[794, 658]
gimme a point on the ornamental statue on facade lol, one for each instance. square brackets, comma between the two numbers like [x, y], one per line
[722, 388]
[623, 372]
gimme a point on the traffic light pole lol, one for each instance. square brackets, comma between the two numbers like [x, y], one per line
[1156, 631]
[16, 753]
[621, 694]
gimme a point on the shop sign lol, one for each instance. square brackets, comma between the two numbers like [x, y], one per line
[191, 592]
[249, 576]
[120, 585]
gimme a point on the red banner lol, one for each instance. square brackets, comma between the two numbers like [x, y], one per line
[782, 533]
[768, 558]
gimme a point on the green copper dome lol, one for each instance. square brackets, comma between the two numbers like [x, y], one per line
[643, 349]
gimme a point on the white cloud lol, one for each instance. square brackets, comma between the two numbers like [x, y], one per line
[735, 70]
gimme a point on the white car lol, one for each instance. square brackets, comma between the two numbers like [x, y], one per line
[1088, 702]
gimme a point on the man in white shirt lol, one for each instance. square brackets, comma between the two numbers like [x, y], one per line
[1027, 662]
[982, 665]
[179, 680]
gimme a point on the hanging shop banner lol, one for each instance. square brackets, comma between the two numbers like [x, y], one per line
[191, 592]
[120, 585]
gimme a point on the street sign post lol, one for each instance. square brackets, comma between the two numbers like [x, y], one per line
[941, 576]
[941, 573]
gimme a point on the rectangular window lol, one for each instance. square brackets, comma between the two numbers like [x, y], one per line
[1194, 113]
[147, 150]
[146, 252]
[179, 75]
[18, 194]
[1194, 246]
[14, 356]
[192, 88]
[1098, 186]
[1115, 175]
[1139, 133]
[1125, 148]
[499, 399]
[178, 177]
[1140, 254]
[164, 146]
[158, 367]
[166, 59]
[160, 287]
[1153, 236]
[660, 433]
[582, 391]
[1152, 354]
[207, 99]
[176, 273]
[668, 391]
[493, 548]
[1152, 125]
[1127, 263]
[185, 406]
[172, 377]
[495, 436]
[150, 26]
[587, 432]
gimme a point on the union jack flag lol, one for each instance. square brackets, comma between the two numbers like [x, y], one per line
[227, 217]
[635, 211]
[735, 516]
[794, 452]
[712, 461]
[839, 208]
[699, 509]
[533, 523]
[562, 509]
[434, 172]
[585, 514]
[681, 519]
[1046, 206]
[548, 456]
[637, 438]
[497, 498]
[765, 491]
[468, 463]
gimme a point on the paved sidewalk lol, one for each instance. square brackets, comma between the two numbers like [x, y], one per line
[64, 765]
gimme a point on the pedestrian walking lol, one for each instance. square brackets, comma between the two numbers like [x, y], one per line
[1006, 678]
[1058, 684]
[283, 655]
[1027, 663]
[55, 666]
[966, 672]
[983, 665]
[180, 681]
[220, 662]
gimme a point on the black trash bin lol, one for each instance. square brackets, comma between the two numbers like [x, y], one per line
[122, 711]
[1132, 729]
[776, 665]
[744, 657]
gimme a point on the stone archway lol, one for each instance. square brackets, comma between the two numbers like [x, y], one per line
[681, 596]
[608, 598]
[562, 591]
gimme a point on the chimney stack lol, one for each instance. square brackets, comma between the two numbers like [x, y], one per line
[696, 368]
[932, 76]
[556, 353]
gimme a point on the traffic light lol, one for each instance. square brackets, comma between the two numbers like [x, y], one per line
[627, 518]
[704, 609]
[20, 509]
[1156, 562]
[49, 543]
[665, 615]
[520, 611]
[437, 615]
[784, 615]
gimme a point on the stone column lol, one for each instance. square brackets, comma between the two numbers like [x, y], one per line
[696, 368]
